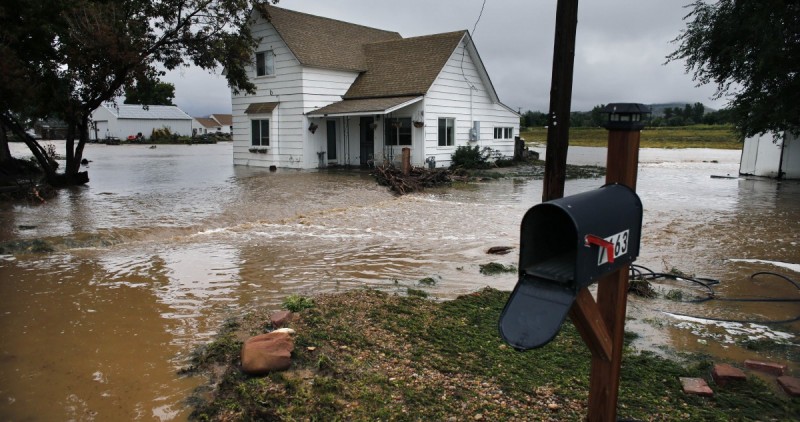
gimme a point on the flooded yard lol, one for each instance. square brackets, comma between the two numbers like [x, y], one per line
[165, 244]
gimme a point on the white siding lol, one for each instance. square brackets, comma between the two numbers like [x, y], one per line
[791, 157]
[760, 156]
[461, 93]
[286, 120]
[765, 156]
[298, 90]
[105, 120]
[322, 87]
[122, 128]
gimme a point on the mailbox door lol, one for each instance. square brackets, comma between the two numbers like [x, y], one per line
[534, 313]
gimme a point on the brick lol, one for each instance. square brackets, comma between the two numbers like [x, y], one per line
[790, 385]
[724, 373]
[768, 367]
[696, 386]
[281, 318]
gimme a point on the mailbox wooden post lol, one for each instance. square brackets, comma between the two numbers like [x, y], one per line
[624, 124]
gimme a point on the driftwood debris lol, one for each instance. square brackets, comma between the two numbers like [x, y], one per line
[417, 179]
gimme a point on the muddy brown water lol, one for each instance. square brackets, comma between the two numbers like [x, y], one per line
[165, 244]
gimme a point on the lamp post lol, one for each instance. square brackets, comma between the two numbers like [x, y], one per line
[624, 123]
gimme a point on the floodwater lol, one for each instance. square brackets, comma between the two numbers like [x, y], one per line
[165, 244]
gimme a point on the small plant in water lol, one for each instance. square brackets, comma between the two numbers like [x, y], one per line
[674, 295]
[297, 303]
[427, 281]
[493, 268]
[641, 287]
[416, 292]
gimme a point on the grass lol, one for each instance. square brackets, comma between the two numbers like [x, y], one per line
[368, 355]
[697, 136]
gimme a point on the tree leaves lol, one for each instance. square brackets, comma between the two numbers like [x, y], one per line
[751, 51]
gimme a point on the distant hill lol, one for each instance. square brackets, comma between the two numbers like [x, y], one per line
[658, 109]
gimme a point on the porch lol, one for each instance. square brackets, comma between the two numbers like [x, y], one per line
[368, 132]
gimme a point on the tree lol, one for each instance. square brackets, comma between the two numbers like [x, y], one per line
[150, 91]
[64, 58]
[698, 110]
[751, 51]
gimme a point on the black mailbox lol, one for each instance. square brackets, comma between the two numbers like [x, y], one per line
[565, 245]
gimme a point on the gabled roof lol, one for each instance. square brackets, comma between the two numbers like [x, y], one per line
[323, 42]
[388, 64]
[157, 112]
[404, 67]
[207, 122]
[223, 119]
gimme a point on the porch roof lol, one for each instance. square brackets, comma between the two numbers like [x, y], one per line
[364, 106]
[260, 108]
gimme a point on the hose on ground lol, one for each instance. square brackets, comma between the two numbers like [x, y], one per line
[639, 272]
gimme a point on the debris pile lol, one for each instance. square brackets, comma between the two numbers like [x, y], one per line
[418, 178]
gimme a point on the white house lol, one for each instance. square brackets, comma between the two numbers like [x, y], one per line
[121, 121]
[332, 92]
[770, 156]
[215, 123]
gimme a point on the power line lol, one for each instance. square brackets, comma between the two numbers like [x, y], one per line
[474, 27]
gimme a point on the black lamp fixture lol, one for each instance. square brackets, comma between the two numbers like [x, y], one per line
[625, 116]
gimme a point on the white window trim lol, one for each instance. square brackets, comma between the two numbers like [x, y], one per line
[265, 75]
[503, 130]
[261, 117]
[455, 133]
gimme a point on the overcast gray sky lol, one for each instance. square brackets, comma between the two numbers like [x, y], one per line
[620, 49]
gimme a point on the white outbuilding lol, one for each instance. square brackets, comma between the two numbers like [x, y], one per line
[124, 120]
[772, 156]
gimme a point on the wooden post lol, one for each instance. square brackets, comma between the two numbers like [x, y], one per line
[555, 165]
[406, 163]
[622, 164]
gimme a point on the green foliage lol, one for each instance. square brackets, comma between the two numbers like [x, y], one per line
[162, 135]
[696, 136]
[493, 268]
[428, 281]
[65, 58]
[416, 292]
[674, 295]
[749, 50]
[297, 303]
[445, 360]
[468, 157]
[149, 91]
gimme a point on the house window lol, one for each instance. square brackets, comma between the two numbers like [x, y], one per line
[265, 63]
[447, 131]
[397, 131]
[260, 132]
[503, 132]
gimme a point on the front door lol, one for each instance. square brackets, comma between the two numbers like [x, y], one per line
[331, 139]
[367, 144]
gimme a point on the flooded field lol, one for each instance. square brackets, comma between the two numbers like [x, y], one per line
[165, 244]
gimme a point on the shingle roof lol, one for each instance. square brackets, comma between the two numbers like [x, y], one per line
[158, 112]
[207, 121]
[404, 67]
[363, 106]
[223, 119]
[323, 42]
[259, 108]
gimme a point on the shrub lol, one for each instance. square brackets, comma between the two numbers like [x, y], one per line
[163, 135]
[469, 157]
[297, 303]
